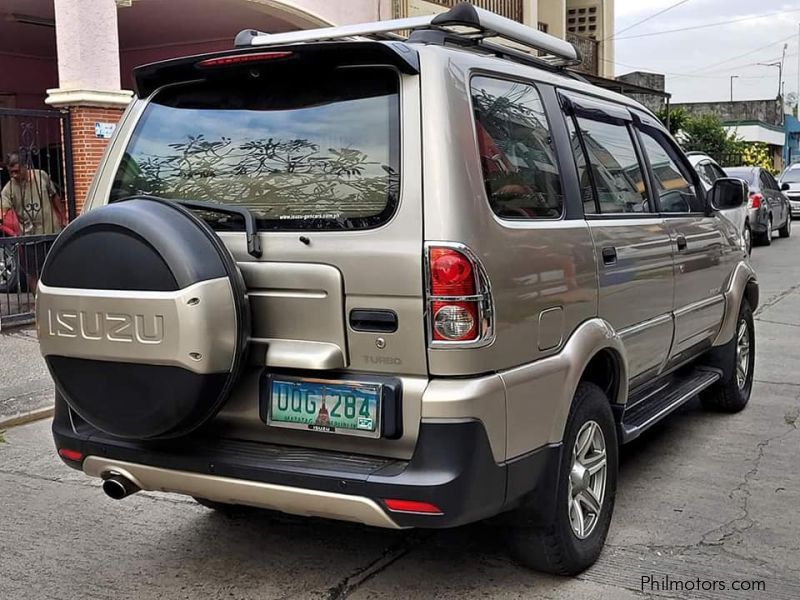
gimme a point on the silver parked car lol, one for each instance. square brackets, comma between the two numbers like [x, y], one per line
[768, 207]
[709, 171]
[404, 283]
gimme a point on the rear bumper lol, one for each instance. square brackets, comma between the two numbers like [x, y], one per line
[452, 468]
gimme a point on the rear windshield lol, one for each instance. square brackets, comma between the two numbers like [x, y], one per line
[308, 151]
[748, 175]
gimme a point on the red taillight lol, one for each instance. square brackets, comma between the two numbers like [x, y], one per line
[412, 506]
[72, 455]
[224, 61]
[454, 308]
[755, 200]
[451, 273]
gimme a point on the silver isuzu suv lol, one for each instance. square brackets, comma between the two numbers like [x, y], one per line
[404, 282]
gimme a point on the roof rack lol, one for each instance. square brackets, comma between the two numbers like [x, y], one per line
[464, 22]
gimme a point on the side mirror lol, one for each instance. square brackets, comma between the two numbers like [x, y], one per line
[785, 187]
[727, 193]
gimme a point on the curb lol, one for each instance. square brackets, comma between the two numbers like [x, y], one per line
[28, 417]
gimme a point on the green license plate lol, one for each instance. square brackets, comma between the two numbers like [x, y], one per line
[345, 407]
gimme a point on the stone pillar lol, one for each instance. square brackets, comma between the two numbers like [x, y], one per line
[88, 81]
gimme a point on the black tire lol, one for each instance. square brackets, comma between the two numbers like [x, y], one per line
[786, 230]
[727, 395]
[159, 246]
[765, 239]
[554, 547]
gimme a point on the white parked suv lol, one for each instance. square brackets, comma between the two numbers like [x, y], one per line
[790, 185]
[709, 171]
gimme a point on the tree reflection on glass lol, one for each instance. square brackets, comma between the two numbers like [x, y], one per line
[276, 179]
[520, 170]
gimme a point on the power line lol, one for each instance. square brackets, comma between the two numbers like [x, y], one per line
[653, 16]
[707, 25]
[698, 76]
[743, 54]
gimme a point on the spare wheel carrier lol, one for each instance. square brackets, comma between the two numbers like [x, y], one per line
[142, 319]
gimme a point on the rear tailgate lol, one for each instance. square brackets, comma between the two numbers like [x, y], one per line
[328, 160]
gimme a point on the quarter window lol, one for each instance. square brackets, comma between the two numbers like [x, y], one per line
[520, 170]
[674, 187]
[614, 167]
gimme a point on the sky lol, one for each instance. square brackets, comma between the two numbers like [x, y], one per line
[699, 63]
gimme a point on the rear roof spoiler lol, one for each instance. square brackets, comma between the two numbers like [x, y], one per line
[148, 78]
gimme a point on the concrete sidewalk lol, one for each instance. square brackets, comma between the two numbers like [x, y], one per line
[25, 384]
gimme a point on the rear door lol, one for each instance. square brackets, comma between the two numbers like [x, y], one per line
[703, 243]
[632, 242]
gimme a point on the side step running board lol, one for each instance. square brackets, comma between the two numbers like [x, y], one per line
[645, 409]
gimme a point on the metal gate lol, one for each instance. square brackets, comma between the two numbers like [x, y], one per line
[37, 199]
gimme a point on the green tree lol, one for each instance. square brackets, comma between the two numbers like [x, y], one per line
[677, 119]
[706, 134]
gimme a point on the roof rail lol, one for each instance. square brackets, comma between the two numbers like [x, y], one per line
[463, 20]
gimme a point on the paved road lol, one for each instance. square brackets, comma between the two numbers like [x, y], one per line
[25, 384]
[701, 497]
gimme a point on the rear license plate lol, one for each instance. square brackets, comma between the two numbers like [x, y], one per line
[344, 407]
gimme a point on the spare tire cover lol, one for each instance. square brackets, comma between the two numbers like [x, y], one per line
[142, 319]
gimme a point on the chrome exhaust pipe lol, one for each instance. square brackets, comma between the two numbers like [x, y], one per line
[118, 487]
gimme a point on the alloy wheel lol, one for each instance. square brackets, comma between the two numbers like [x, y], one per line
[742, 354]
[587, 480]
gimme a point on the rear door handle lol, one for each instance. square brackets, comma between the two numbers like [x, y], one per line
[609, 255]
[681, 243]
[373, 320]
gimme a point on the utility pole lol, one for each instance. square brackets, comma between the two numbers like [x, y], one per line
[732, 78]
[780, 71]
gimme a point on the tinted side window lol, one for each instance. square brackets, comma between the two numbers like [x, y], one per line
[520, 170]
[710, 174]
[704, 173]
[766, 184]
[614, 166]
[674, 186]
[716, 171]
[773, 185]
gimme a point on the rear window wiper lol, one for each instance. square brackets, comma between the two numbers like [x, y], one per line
[250, 224]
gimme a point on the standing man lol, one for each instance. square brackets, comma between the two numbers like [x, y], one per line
[31, 195]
